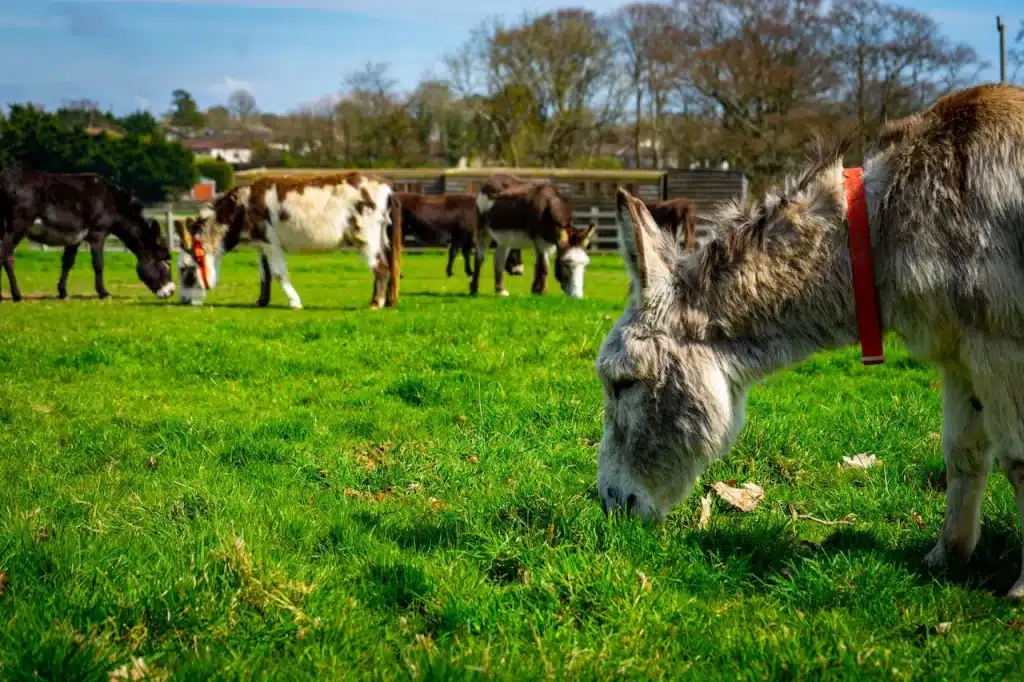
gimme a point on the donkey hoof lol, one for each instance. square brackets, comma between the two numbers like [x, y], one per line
[936, 559]
[1016, 592]
[501, 292]
[295, 306]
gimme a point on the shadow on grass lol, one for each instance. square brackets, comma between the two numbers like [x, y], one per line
[993, 568]
[764, 554]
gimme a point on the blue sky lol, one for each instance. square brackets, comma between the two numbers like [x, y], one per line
[129, 54]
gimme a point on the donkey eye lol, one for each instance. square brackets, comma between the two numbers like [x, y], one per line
[622, 385]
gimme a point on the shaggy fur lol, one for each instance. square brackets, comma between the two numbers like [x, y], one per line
[945, 195]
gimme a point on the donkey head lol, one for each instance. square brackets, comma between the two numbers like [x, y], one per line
[201, 247]
[571, 260]
[669, 406]
[154, 260]
[699, 328]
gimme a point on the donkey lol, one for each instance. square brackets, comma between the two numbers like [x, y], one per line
[672, 214]
[944, 198]
[287, 214]
[67, 209]
[434, 218]
[532, 214]
[491, 188]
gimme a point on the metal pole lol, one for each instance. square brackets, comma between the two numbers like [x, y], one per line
[1001, 27]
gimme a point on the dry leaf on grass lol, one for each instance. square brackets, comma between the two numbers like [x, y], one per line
[473, 459]
[861, 461]
[4, 582]
[645, 583]
[918, 520]
[705, 511]
[151, 463]
[745, 498]
[137, 670]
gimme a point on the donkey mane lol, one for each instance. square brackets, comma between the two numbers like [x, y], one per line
[746, 224]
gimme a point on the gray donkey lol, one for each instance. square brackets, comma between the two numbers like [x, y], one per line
[945, 200]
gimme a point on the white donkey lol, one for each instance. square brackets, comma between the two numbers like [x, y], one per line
[944, 194]
[293, 213]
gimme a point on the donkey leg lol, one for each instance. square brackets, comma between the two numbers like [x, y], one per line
[264, 300]
[279, 269]
[96, 248]
[67, 261]
[965, 448]
[483, 241]
[541, 255]
[995, 366]
[500, 254]
[467, 252]
[7, 244]
[453, 251]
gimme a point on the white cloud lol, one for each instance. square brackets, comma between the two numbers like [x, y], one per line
[230, 84]
[26, 23]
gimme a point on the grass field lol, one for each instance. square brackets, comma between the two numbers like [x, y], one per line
[234, 493]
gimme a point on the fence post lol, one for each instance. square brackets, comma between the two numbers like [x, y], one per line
[169, 217]
[595, 219]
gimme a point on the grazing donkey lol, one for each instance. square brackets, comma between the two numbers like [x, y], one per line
[67, 209]
[672, 214]
[434, 218]
[532, 214]
[944, 197]
[287, 214]
[492, 187]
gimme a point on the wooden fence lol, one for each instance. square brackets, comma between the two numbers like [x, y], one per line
[606, 239]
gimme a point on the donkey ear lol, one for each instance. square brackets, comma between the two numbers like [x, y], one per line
[588, 234]
[646, 250]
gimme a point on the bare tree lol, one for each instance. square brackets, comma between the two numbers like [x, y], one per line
[242, 105]
[645, 37]
[765, 68]
[894, 61]
[217, 117]
[542, 84]
[1016, 55]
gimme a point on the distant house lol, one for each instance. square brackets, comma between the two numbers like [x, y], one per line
[233, 151]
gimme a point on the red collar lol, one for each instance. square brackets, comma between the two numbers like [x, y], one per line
[865, 294]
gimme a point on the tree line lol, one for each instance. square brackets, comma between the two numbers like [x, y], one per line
[651, 84]
[131, 151]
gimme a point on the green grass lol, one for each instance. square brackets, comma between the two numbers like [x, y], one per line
[235, 493]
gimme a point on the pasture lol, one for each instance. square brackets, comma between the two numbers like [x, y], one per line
[233, 493]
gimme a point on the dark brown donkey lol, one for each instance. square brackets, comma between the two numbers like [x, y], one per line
[537, 215]
[67, 209]
[437, 218]
[672, 214]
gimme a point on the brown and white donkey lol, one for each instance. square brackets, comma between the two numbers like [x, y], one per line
[285, 214]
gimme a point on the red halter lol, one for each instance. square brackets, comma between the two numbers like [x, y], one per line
[865, 293]
[200, 256]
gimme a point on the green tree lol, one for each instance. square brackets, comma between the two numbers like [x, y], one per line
[184, 110]
[218, 170]
[141, 123]
[152, 169]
